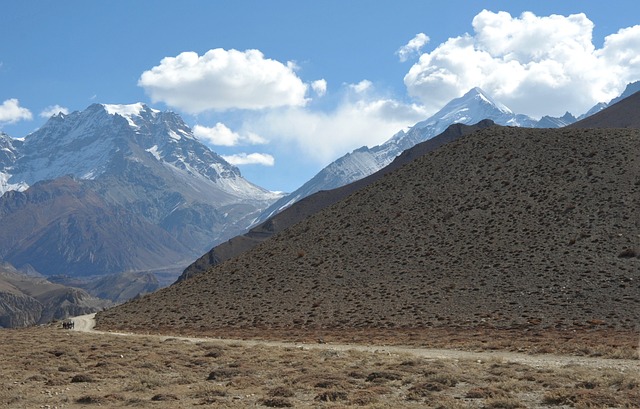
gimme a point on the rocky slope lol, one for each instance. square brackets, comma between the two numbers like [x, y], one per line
[318, 201]
[503, 228]
[27, 300]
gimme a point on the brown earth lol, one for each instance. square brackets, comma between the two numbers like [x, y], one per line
[507, 228]
[47, 367]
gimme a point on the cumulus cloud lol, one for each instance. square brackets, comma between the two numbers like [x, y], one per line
[413, 47]
[11, 112]
[52, 110]
[224, 79]
[250, 159]
[359, 119]
[221, 135]
[319, 87]
[535, 65]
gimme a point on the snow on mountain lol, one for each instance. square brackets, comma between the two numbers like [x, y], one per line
[469, 109]
[85, 145]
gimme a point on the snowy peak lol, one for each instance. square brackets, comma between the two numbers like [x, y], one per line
[103, 138]
[471, 108]
[478, 94]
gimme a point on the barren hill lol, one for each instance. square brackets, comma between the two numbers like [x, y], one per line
[504, 228]
[318, 201]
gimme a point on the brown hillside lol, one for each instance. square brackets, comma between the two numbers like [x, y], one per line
[504, 228]
[318, 201]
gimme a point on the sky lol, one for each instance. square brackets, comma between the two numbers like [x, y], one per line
[281, 88]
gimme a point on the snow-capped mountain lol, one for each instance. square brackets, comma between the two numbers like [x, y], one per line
[88, 145]
[629, 90]
[121, 176]
[471, 108]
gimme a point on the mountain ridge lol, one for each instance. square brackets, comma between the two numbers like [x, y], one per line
[471, 108]
[133, 188]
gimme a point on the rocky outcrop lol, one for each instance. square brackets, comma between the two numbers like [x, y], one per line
[18, 310]
[27, 300]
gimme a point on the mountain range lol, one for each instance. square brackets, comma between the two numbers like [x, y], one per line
[332, 183]
[505, 227]
[469, 109]
[117, 199]
[115, 189]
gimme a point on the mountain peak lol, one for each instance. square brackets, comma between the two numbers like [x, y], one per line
[127, 110]
[479, 93]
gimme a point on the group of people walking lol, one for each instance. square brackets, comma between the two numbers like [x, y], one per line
[68, 324]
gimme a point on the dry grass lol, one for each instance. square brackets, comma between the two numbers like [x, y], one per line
[47, 366]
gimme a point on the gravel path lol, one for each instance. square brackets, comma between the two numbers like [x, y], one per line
[86, 323]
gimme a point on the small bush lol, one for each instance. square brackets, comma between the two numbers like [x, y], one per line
[383, 376]
[331, 396]
[503, 403]
[276, 403]
[163, 397]
[222, 374]
[90, 400]
[81, 378]
[281, 391]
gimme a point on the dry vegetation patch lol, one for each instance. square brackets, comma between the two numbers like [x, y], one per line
[144, 371]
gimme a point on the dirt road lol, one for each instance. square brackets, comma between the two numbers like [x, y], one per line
[86, 323]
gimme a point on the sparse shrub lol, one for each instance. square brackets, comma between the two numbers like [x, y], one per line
[81, 378]
[222, 374]
[503, 403]
[90, 400]
[423, 390]
[276, 403]
[362, 398]
[483, 393]
[383, 376]
[331, 396]
[281, 391]
[214, 353]
[163, 397]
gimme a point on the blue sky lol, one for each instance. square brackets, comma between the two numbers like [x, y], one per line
[282, 88]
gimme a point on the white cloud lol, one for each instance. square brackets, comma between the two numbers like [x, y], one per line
[52, 110]
[250, 159]
[221, 135]
[535, 65]
[323, 136]
[362, 86]
[221, 80]
[413, 47]
[11, 112]
[319, 87]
